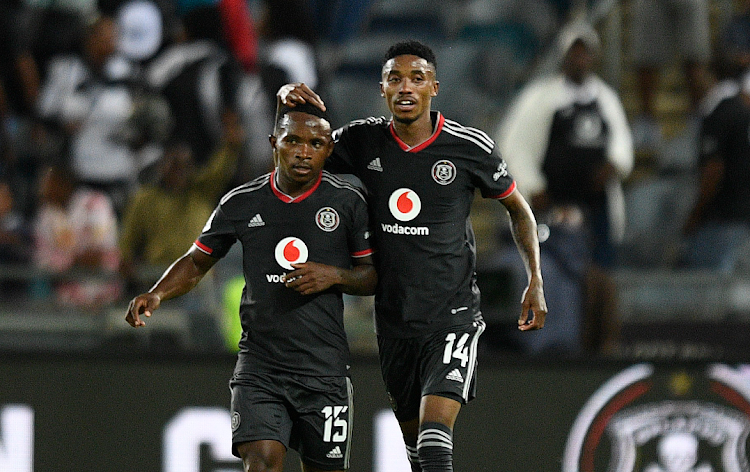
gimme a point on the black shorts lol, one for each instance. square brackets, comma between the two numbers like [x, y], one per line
[312, 415]
[443, 363]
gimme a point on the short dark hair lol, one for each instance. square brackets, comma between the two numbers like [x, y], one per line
[413, 48]
[302, 108]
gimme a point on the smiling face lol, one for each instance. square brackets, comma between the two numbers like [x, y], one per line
[300, 147]
[408, 87]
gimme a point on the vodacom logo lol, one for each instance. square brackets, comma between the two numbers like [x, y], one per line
[404, 204]
[290, 251]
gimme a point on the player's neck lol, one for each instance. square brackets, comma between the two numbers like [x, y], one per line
[295, 189]
[416, 132]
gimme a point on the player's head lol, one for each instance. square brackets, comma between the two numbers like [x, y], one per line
[301, 143]
[411, 48]
[408, 80]
[579, 45]
[283, 111]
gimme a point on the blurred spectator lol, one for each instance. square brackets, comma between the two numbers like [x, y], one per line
[14, 232]
[141, 25]
[75, 233]
[661, 31]
[288, 40]
[200, 80]
[718, 227]
[570, 142]
[88, 95]
[182, 194]
[54, 30]
[734, 38]
[240, 32]
[235, 29]
[15, 248]
[147, 129]
[19, 74]
[19, 89]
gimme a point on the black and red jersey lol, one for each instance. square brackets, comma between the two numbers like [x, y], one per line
[284, 331]
[419, 200]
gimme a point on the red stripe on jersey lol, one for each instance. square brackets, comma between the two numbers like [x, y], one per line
[506, 193]
[419, 147]
[203, 247]
[366, 252]
[287, 198]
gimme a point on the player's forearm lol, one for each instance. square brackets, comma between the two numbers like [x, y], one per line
[524, 231]
[360, 280]
[180, 278]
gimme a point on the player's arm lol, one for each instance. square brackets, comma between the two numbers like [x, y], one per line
[524, 230]
[178, 279]
[312, 277]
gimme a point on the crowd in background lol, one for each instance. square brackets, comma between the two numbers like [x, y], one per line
[123, 121]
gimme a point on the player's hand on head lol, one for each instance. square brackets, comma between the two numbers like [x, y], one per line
[292, 94]
[311, 277]
[142, 305]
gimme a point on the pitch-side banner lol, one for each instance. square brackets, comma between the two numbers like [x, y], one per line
[77, 414]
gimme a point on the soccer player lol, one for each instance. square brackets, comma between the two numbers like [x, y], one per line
[421, 170]
[305, 240]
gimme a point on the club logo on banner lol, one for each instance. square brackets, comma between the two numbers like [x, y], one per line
[649, 419]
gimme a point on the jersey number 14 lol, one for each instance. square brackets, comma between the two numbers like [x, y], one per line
[461, 350]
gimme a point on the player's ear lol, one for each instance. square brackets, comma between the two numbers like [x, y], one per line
[329, 147]
[382, 91]
[435, 89]
[272, 140]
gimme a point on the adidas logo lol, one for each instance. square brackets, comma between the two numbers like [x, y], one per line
[256, 221]
[455, 375]
[335, 453]
[375, 165]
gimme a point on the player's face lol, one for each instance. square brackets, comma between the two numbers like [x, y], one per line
[301, 146]
[408, 87]
[578, 62]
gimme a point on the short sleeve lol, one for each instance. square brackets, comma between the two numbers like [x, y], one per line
[218, 234]
[360, 237]
[340, 161]
[490, 175]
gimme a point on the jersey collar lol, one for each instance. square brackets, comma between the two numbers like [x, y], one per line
[436, 131]
[287, 198]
